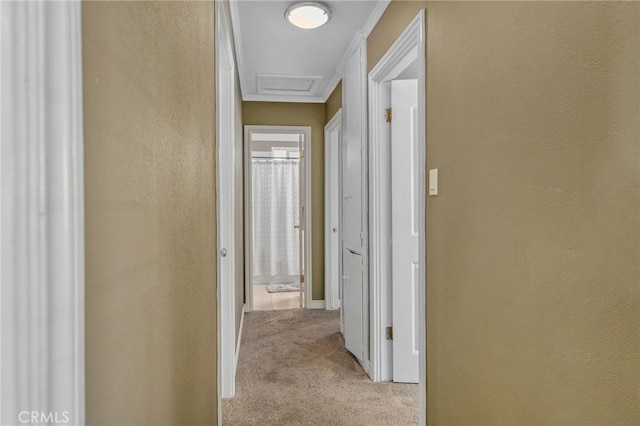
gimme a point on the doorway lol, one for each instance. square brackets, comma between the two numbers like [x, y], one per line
[277, 243]
[332, 206]
[398, 175]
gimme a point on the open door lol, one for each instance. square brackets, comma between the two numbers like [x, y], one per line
[405, 230]
[301, 225]
[332, 226]
[277, 244]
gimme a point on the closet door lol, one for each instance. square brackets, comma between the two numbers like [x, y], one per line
[353, 336]
[354, 249]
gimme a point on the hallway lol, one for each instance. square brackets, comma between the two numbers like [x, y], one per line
[125, 213]
[293, 370]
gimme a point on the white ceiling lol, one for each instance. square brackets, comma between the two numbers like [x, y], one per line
[280, 62]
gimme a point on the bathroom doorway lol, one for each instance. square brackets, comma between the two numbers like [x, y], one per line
[276, 216]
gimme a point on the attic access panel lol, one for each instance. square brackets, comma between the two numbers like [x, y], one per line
[280, 84]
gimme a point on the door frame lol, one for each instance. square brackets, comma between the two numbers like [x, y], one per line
[225, 147]
[332, 204]
[42, 303]
[248, 211]
[409, 47]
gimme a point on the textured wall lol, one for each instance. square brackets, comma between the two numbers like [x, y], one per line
[533, 243]
[392, 23]
[149, 113]
[334, 102]
[300, 114]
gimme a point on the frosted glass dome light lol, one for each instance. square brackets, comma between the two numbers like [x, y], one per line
[308, 15]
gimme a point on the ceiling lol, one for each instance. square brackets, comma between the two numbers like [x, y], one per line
[280, 62]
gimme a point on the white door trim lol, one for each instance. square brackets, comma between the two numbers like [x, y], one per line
[42, 206]
[410, 46]
[225, 146]
[332, 201]
[248, 211]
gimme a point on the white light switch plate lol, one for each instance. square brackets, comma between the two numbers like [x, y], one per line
[433, 182]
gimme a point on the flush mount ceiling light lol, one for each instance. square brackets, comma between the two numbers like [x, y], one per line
[308, 15]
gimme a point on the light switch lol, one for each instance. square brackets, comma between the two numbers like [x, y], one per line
[433, 182]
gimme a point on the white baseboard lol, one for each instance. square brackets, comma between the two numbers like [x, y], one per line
[317, 304]
[235, 367]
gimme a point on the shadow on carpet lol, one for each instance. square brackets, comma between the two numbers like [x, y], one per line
[294, 370]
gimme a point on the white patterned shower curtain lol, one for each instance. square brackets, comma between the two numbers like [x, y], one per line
[275, 213]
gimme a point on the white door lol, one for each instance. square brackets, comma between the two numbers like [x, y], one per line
[226, 206]
[405, 227]
[352, 214]
[353, 292]
[332, 211]
[302, 184]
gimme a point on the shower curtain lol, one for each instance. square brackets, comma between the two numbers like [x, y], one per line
[275, 213]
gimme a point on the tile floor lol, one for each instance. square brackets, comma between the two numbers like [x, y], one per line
[265, 301]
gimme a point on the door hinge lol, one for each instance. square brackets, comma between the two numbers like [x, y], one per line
[301, 279]
[301, 154]
[387, 115]
[390, 333]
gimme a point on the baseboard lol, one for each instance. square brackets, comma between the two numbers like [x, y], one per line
[317, 304]
[235, 367]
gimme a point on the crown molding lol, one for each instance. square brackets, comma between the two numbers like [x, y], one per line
[237, 41]
[358, 38]
[375, 16]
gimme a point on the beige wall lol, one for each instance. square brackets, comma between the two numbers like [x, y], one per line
[395, 19]
[301, 114]
[533, 243]
[149, 109]
[334, 102]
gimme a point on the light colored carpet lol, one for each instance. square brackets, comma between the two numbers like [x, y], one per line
[294, 370]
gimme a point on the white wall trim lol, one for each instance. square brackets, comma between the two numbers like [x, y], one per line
[380, 243]
[353, 46]
[317, 304]
[375, 16]
[248, 242]
[409, 47]
[42, 205]
[331, 85]
[377, 12]
[225, 110]
[244, 306]
[331, 289]
[237, 40]
[248, 223]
